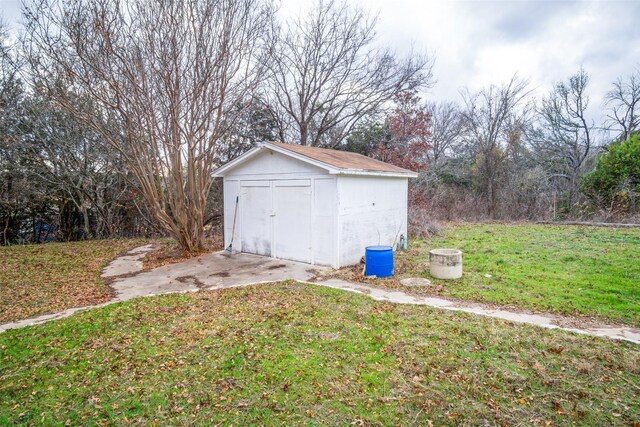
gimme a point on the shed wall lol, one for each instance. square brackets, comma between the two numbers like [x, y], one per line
[371, 211]
[325, 239]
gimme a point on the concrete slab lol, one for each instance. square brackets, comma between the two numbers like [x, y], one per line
[48, 317]
[415, 282]
[211, 271]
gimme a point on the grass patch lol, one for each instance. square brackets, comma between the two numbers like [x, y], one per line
[583, 271]
[298, 354]
[38, 279]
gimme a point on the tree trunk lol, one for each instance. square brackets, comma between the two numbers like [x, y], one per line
[85, 220]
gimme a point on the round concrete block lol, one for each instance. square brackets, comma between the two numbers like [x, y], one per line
[445, 263]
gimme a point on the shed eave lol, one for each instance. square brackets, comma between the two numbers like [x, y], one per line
[332, 170]
[374, 173]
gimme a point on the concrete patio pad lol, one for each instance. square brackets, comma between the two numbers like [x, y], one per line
[212, 271]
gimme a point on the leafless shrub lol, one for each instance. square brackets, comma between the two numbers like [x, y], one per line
[421, 223]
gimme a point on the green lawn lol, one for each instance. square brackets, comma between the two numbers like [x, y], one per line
[583, 271]
[298, 354]
[38, 279]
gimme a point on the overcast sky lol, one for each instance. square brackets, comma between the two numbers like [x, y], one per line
[478, 42]
[481, 42]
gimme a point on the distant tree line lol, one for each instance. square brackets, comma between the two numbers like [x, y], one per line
[501, 154]
[114, 115]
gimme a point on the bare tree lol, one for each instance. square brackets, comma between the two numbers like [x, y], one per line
[172, 72]
[494, 119]
[9, 65]
[15, 193]
[623, 101]
[74, 164]
[565, 135]
[445, 129]
[253, 126]
[327, 74]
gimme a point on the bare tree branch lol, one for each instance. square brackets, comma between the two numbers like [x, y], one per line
[623, 101]
[565, 136]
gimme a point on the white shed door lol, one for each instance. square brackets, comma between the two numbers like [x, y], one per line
[292, 226]
[256, 220]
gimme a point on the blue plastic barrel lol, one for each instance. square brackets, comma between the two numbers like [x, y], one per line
[378, 261]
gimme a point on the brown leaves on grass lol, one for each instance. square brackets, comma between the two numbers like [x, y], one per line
[39, 279]
[169, 252]
[287, 354]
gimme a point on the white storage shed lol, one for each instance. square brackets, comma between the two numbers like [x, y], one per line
[313, 205]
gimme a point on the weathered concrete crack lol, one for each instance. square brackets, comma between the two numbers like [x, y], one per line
[192, 280]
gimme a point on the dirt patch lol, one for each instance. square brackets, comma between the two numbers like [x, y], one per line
[168, 252]
[275, 267]
[403, 264]
[328, 336]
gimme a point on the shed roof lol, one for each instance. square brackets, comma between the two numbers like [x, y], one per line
[334, 161]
